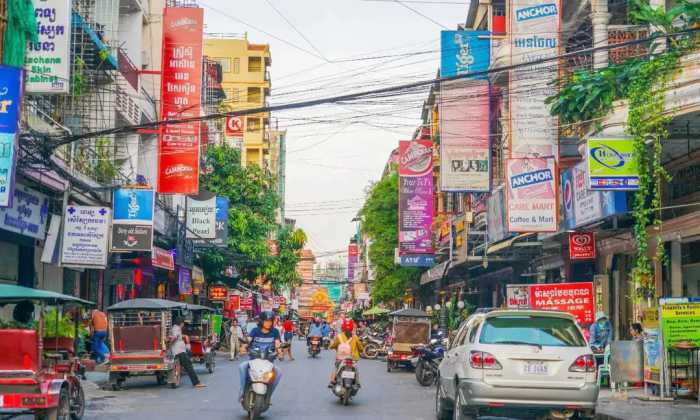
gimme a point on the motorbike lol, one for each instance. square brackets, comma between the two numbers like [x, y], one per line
[326, 342]
[346, 385]
[261, 376]
[314, 346]
[375, 346]
[426, 360]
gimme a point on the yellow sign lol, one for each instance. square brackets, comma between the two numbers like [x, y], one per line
[680, 323]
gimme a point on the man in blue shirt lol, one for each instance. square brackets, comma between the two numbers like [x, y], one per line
[266, 338]
[601, 332]
[325, 329]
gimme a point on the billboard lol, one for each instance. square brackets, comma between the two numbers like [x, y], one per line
[464, 136]
[85, 235]
[464, 52]
[181, 82]
[574, 298]
[534, 35]
[10, 100]
[353, 258]
[48, 60]
[132, 219]
[201, 217]
[582, 206]
[221, 221]
[28, 213]
[415, 197]
[612, 164]
[532, 195]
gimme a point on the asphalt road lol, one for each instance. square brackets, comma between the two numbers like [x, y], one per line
[302, 394]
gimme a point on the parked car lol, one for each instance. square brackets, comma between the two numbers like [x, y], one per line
[507, 361]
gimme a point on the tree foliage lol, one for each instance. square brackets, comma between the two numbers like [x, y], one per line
[380, 222]
[281, 270]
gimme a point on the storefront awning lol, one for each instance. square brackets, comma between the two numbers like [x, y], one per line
[503, 245]
[434, 273]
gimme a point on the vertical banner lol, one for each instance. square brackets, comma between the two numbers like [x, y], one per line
[10, 100]
[132, 220]
[415, 197]
[48, 61]
[353, 257]
[534, 34]
[495, 216]
[464, 112]
[85, 235]
[532, 198]
[184, 281]
[181, 82]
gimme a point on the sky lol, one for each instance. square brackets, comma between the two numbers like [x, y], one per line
[323, 48]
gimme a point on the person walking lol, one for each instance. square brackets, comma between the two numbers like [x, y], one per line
[288, 335]
[98, 328]
[235, 334]
[179, 349]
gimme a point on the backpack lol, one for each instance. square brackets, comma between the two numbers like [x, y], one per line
[344, 350]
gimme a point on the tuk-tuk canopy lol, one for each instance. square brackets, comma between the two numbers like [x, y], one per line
[410, 312]
[147, 304]
[193, 307]
[14, 293]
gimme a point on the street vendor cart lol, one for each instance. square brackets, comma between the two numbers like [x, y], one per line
[410, 327]
[37, 376]
[198, 327]
[138, 334]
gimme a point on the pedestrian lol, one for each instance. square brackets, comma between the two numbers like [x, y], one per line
[280, 331]
[288, 336]
[235, 334]
[637, 332]
[98, 328]
[601, 332]
[179, 349]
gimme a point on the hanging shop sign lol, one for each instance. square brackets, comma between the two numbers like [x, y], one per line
[518, 296]
[415, 197]
[28, 214]
[132, 220]
[197, 280]
[495, 216]
[217, 293]
[581, 246]
[184, 281]
[417, 260]
[534, 35]
[353, 258]
[464, 136]
[162, 258]
[575, 298]
[221, 227]
[85, 236]
[247, 301]
[465, 52]
[48, 60]
[680, 325]
[532, 198]
[582, 206]
[181, 82]
[234, 127]
[201, 217]
[10, 100]
[612, 164]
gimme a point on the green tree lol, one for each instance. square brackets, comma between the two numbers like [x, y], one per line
[282, 268]
[251, 216]
[380, 222]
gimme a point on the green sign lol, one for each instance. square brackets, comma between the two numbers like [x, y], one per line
[612, 165]
[680, 324]
[216, 320]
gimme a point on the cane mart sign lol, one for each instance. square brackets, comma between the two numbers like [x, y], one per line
[612, 164]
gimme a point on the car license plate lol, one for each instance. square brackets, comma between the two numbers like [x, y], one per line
[347, 374]
[535, 368]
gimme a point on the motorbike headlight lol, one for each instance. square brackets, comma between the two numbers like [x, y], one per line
[268, 377]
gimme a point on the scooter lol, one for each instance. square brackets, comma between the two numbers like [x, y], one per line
[375, 346]
[314, 346]
[426, 360]
[326, 342]
[346, 385]
[261, 376]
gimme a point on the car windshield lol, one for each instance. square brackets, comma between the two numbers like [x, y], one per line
[531, 330]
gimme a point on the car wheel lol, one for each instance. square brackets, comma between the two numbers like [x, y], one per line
[458, 412]
[442, 411]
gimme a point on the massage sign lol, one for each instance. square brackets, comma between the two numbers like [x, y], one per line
[415, 197]
[532, 198]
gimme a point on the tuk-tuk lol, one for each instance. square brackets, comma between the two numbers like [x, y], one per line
[38, 375]
[198, 327]
[138, 334]
[410, 327]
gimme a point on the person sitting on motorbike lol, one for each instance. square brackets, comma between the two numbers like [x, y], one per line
[267, 339]
[347, 345]
[315, 330]
[325, 330]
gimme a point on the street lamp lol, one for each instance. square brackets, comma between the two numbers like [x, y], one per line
[428, 309]
[437, 307]
[460, 304]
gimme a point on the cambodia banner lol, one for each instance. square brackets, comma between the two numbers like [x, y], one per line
[612, 164]
[464, 52]
[181, 82]
[415, 197]
[532, 195]
[534, 35]
[464, 136]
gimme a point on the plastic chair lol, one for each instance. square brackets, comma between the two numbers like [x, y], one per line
[604, 368]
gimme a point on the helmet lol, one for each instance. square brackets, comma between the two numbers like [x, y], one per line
[265, 316]
[347, 325]
[317, 320]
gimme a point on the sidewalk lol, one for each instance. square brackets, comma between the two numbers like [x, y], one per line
[632, 407]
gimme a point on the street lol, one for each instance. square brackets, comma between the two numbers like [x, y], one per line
[302, 394]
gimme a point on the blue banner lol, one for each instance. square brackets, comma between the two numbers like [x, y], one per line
[10, 99]
[133, 204]
[582, 206]
[464, 52]
[422, 260]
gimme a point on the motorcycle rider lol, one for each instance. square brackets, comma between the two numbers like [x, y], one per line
[346, 344]
[265, 337]
[315, 330]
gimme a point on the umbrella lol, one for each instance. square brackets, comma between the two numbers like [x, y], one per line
[375, 310]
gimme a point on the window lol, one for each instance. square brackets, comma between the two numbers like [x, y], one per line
[459, 337]
[254, 95]
[472, 332]
[232, 95]
[253, 124]
[255, 64]
[535, 330]
[224, 62]
[236, 65]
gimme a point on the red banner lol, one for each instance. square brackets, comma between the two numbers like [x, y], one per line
[234, 127]
[247, 302]
[162, 258]
[574, 298]
[581, 246]
[218, 292]
[181, 82]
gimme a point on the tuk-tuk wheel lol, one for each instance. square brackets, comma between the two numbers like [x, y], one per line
[77, 403]
[61, 412]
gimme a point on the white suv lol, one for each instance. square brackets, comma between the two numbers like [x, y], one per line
[518, 361]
